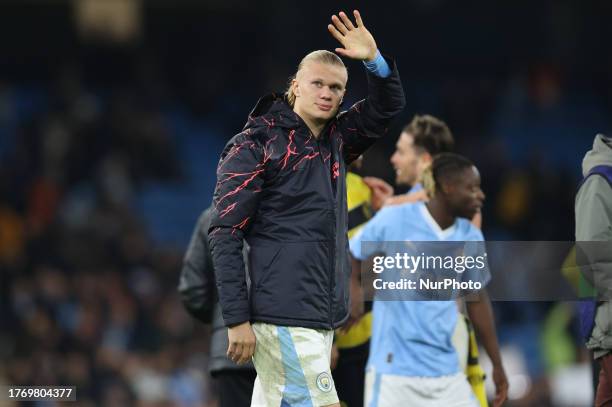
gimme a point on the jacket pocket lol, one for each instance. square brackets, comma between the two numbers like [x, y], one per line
[260, 260]
[296, 284]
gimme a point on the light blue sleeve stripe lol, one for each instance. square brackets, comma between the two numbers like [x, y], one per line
[378, 66]
[295, 393]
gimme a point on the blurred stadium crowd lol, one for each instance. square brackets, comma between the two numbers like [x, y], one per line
[87, 297]
[107, 157]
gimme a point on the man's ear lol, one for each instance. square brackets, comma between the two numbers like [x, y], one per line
[447, 187]
[296, 87]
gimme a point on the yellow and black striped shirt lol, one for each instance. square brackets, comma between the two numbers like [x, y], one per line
[359, 212]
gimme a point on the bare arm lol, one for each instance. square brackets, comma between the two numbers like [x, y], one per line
[357, 304]
[407, 198]
[480, 313]
[381, 191]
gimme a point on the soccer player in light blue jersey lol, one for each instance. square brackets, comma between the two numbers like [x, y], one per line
[412, 358]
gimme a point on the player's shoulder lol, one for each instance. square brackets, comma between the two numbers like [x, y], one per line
[396, 214]
[412, 209]
[383, 217]
[468, 230]
[595, 184]
[253, 137]
[390, 210]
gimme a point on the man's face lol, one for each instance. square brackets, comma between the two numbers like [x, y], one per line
[463, 193]
[318, 90]
[405, 161]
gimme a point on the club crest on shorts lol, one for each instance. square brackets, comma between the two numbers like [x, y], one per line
[324, 382]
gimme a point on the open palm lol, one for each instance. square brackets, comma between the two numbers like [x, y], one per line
[357, 41]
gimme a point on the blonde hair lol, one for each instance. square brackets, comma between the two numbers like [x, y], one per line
[322, 56]
[443, 165]
[428, 181]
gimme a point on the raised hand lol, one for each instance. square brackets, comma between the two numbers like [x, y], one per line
[381, 191]
[357, 41]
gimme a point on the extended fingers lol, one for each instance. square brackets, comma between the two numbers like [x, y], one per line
[339, 25]
[358, 18]
[347, 22]
[334, 32]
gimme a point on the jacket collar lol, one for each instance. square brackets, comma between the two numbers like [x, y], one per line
[274, 106]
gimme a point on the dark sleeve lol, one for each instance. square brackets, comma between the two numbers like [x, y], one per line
[235, 202]
[368, 120]
[197, 280]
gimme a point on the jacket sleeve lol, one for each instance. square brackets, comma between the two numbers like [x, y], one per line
[368, 120]
[594, 234]
[235, 202]
[197, 280]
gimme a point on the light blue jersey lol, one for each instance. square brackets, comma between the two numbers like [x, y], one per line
[412, 338]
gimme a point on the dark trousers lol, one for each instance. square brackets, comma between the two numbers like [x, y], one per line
[235, 387]
[349, 374]
[603, 397]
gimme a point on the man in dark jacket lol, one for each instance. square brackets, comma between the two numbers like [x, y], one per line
[281, 186]
[198, 294]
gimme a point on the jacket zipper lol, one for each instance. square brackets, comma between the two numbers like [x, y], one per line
[332, 203]
[331, 250]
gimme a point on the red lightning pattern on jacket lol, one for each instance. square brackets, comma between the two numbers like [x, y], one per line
[306, 157]
[290, 149]
[240, 225]
[336, 170]
[267, 151]
[233, 151]
[242, 186]
[228, 209]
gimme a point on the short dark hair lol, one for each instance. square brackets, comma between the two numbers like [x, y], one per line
[443, 166]
[430, 134]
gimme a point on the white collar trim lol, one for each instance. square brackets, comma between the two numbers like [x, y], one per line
[442, 234]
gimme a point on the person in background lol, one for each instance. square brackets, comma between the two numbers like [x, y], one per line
[420, 140]
[198, 295]
[593, 211]
[412, 358]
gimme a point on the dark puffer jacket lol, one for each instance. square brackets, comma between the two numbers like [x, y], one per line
[284, 191]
